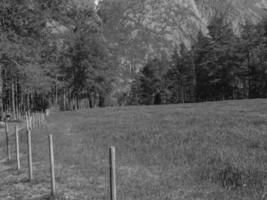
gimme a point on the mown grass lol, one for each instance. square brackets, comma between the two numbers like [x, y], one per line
[215, 150]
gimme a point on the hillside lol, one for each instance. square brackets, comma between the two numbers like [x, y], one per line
[205, 151]
[140, 29]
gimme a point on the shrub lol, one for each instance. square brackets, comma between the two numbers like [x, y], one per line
[229, 176]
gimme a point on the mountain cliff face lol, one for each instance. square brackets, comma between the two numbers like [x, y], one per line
[140, 29]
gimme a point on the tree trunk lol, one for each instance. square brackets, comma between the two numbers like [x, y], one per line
[182, 91]
[64, 100]
[90, 100]
[56, 93]
[28, 102]
[13, 99]
[17, 98]
[77, 103]
[194, 81]
[1, 93]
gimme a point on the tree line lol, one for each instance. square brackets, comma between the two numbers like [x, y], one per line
[52, 53]
[219, 66]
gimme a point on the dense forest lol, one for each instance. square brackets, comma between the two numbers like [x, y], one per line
[53, 53]
[222, 65]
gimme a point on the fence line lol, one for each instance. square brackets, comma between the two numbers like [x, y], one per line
[52, 165]
[36, 120]
[17, 148]
[30, 155]
[112, 167]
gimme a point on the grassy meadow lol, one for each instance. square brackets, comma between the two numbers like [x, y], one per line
[204, 151]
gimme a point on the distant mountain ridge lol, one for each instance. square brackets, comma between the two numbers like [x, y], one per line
[140, 29]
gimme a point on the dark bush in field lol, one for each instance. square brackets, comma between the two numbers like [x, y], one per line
[228, 176]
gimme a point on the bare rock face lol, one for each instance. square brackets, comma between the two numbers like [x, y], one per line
[140, 29]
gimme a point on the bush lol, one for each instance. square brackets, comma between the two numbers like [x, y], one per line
[228, 176]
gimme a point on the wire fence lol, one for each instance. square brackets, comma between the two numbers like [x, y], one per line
[30, 123]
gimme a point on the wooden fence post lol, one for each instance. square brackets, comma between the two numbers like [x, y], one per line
[112, 165]
[52, 165]
[7, 141]
[30, 155]
[17, 148]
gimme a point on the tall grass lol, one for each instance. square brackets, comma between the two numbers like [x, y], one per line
[192, 151]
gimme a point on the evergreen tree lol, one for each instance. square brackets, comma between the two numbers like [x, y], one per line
[181, 76]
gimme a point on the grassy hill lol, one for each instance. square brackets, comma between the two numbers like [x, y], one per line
[207, 151]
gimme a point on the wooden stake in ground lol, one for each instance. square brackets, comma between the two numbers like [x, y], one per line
[30, 155]
[112, 164]
[17, 148]
[52, 165]
[7, 142]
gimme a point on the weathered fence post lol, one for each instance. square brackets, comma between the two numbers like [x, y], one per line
[52, 165]
[7, 142]
[30, 155]
[17, 148]
[112, 165]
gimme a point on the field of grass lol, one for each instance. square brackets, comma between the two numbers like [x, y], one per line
[205, 151]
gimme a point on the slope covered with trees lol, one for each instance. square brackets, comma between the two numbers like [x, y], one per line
[140, 29]
[52, 51]
[219, 66]
[64, 53]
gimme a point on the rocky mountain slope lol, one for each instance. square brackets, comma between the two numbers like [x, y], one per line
[140, 29]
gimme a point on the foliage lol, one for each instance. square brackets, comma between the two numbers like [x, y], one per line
[150, 83]
[53, 50]
[219, 66]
